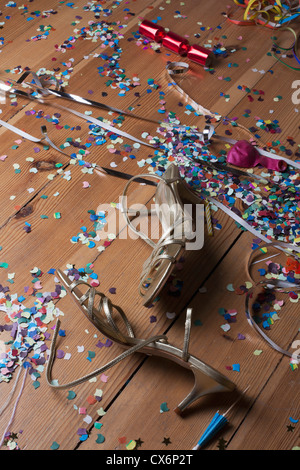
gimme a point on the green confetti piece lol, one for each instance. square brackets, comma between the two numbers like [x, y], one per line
[54, 446]
[71, 395]
[222, 311]
[36, 384]
[91, 354]
[164, 407]
[4, 265]
[100, 439]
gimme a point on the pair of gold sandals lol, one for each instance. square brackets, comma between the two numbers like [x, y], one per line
[171, 193]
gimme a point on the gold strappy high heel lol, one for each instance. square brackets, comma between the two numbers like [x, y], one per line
[178, 223]
[207, 379]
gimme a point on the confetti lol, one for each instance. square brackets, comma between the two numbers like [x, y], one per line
[71, 395]
[257, 352]
[54, 446]
[100, 439]
[164, 407]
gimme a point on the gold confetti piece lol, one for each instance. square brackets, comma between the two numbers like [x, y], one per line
[257, 352]
[131, 445]
[101, 412]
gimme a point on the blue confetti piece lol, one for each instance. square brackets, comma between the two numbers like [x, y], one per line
[292, 420]
[262, 272]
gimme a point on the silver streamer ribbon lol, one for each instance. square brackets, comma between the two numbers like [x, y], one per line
[27, 136]
[41, 92]
[175, 68]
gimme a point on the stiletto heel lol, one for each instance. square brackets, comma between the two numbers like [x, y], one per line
[207, 379]
[202, 386]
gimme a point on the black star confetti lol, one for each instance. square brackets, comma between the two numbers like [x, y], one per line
[166, 441]
[139, 442]
[222, 444]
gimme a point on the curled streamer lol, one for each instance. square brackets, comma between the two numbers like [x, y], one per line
[292, 48]
[269, 13]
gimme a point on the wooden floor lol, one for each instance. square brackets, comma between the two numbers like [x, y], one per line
[46, 200]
